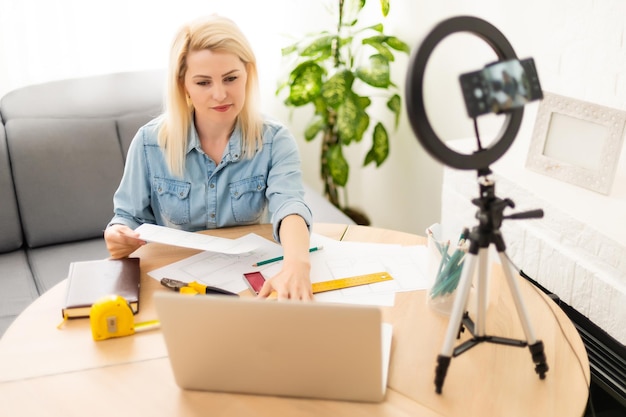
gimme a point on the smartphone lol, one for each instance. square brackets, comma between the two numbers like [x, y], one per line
[500, 87]
[255, 281]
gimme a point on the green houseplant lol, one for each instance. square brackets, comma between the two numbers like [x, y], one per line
[340, 74]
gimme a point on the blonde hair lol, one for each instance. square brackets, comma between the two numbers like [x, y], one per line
[215, 33]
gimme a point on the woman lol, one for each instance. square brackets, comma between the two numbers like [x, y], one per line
[211, 160]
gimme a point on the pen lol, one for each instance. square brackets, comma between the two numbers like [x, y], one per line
[450, 267]
[280, 258]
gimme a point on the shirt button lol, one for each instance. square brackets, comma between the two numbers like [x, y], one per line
[212, 215]
[181, 194]
[258, 187]
[160, 189]
[212, 185]
[236, 193]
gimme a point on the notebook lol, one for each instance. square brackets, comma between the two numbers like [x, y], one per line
[295, 349]
[88, 281]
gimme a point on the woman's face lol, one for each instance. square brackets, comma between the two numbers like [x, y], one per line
[216, 84]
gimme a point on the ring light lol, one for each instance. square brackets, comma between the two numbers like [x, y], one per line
[415, 95]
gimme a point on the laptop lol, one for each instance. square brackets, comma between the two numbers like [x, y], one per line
[294, 349]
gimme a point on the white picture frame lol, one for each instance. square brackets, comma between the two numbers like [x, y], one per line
[577, 142]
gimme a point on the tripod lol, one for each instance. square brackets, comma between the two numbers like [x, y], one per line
[481, 237]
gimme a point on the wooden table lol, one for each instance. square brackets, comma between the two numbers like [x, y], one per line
[63, 372]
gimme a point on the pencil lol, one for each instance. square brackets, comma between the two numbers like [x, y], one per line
[280, 258]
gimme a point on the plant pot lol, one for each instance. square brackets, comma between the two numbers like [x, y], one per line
[357, 216]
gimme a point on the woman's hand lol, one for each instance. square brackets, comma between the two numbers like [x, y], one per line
[291, 283]
[121, 240]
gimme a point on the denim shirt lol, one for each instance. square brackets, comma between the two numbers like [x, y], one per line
[237, 191]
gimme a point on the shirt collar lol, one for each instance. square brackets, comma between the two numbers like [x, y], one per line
[232, 152]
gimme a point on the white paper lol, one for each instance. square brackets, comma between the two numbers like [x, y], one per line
[174, 237]
[406, 264]
[218, 269]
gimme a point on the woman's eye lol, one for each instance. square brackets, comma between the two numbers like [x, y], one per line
[230, 79]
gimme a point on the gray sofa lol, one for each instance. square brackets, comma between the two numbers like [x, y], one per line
[62, 151]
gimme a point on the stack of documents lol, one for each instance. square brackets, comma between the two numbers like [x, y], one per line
[406, 264]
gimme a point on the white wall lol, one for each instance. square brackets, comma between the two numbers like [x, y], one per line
[578, 46]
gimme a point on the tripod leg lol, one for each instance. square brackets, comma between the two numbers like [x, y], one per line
[482, 287]
[535, 346]
[539, 359]
[456, 315]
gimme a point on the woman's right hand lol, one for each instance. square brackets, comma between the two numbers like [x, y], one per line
[121, 240]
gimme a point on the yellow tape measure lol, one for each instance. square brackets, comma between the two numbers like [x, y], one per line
[111, 316]
[337, 284]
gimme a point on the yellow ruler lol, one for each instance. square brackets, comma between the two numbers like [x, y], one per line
[337, 284]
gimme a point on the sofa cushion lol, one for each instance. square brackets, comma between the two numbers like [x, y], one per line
[50, 264]
[65, 172]
[127, 127]
[18, 288]
[11, 236]
[101, 96]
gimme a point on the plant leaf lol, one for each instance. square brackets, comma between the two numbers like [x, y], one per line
[384, 5]
[380, 146]
[397, 44]
[321, 108]
[280, 87]
[362, 123]
[289, 49]
[353, 7]
[363, 102]
[377, 74]
[375, 39]
[320, 47]
[313, 128]
[378, 43]
[364, 120]
[337, 165]
[378, 27]
[352, 120]
[347, 115]
[395, 105]
[306, 83]
[337, 88]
